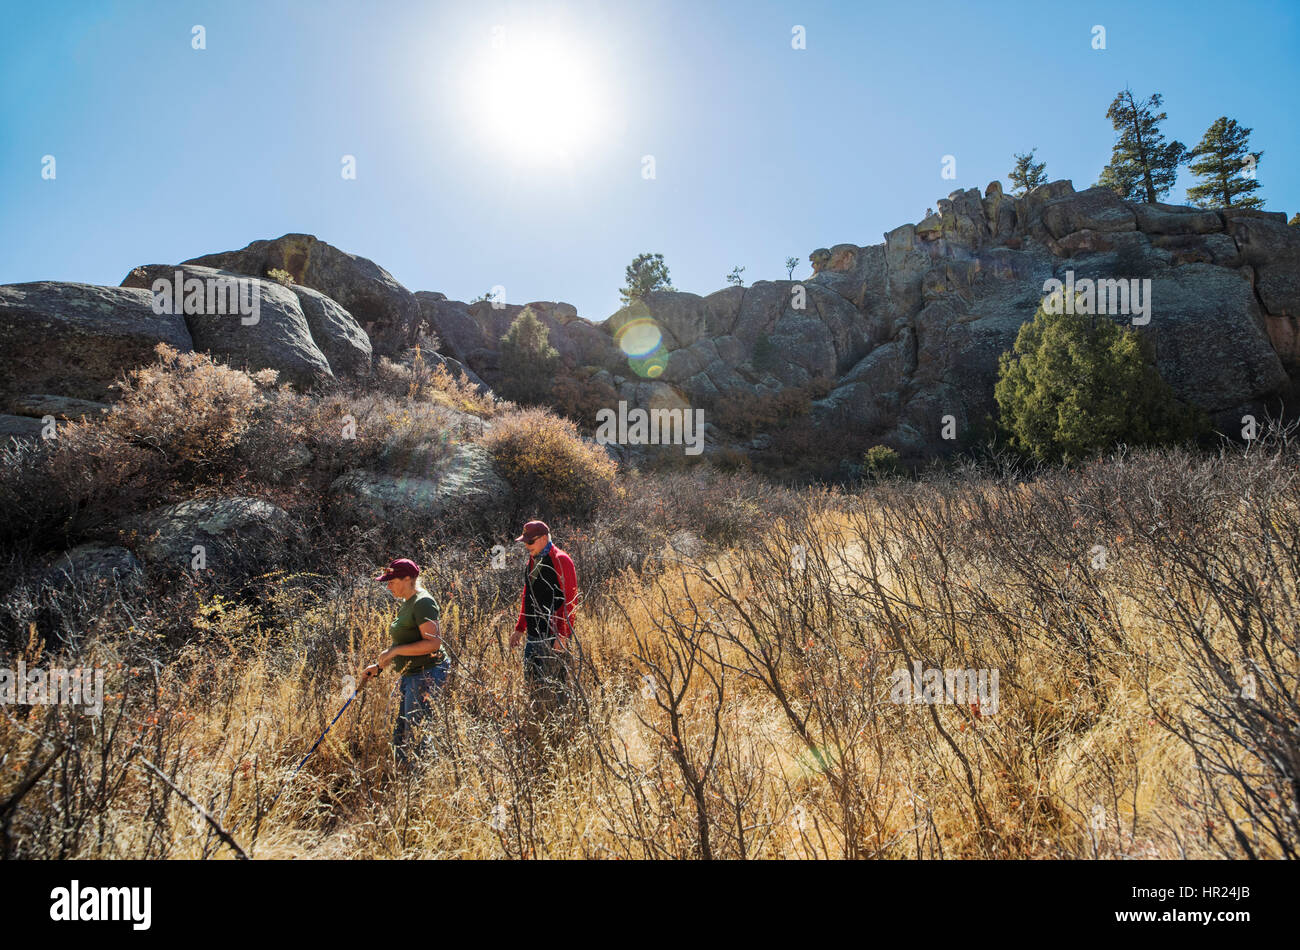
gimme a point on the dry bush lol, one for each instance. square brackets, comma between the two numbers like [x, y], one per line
[580, 398]
[188, 408]
[548, 464]
[55, 493]
[416, 379]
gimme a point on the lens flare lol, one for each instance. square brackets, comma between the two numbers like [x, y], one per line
[639, 337]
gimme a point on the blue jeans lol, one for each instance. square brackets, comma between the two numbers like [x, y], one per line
[418, 691]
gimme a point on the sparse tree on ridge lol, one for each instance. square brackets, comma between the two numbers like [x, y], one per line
[646, 273]
[1027, 174]
[1225, 166]
[735, 278]
[790, 264]
[1142, 165]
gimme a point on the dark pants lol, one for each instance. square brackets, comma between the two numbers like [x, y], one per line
[546, 673]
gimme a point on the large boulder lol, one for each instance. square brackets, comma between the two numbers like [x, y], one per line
[464, 479]
[22, 428]
[387, 311]
[78, 339]
[338, 335]
[1160, 218]
[40, 405]
[208, 533]
[1096, 209]
[269, 332]
[94, 565]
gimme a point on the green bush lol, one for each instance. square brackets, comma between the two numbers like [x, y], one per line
[528, 361]
[880, 461]
[1075, 385]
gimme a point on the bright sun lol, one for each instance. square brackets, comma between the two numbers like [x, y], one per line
[536, 95]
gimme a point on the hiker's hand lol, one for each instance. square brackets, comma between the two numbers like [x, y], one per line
[386, 657]
[369, 673]
[514, 639]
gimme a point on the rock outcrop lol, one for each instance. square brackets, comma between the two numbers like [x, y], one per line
[465, 477]
[267, 331]
[217, 532]
[76, 339]
[386, 310]
[898, 341]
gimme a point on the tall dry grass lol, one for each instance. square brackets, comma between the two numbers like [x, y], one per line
[735, 702]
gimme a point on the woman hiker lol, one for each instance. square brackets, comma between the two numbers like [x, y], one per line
[416, 652]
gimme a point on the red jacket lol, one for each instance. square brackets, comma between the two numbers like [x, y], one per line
[568, 582]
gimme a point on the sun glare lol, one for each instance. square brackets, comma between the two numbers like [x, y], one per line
[537, 96]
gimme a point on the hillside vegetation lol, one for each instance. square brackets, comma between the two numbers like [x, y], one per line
[737, 649]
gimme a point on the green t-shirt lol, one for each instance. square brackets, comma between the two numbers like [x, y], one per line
[406, 629]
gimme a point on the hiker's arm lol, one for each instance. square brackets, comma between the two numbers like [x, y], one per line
[521, 625]
[569, 589]
[430, 642]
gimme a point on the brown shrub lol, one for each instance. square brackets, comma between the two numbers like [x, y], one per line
[548, 464]
[189, 409]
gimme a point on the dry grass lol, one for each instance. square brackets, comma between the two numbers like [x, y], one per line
[738, 704]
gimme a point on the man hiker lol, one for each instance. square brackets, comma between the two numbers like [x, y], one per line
[546, 617]
[416, 652]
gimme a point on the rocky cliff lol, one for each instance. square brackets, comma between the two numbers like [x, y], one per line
[895, 339]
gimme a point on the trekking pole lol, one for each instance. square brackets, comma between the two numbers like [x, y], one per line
[285, 783]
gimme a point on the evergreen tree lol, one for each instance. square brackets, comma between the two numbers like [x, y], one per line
[647, 272]
[1078, 384]
[735, 278]
[790, 264]
[1142, 165]
[1027, 175]
[1221, 161]
[528, 360]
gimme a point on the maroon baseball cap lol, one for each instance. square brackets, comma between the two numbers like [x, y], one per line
[401, 567]
[532, 531]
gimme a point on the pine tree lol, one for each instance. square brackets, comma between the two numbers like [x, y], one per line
[1026, 176]
[734, 277]
[1225, 166]
[647, 272]
[1077, 384]
[790, 264]
[1142, 165]
[528, 361]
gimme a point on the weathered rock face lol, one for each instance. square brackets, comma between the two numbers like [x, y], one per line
[471, 333]
[910, 330]
[955, 290]
[465, 478]
[39, 405]
[269, 332]
[77, 339]
[387, 311]
[339, 337]
[224, 528]
[94, 565]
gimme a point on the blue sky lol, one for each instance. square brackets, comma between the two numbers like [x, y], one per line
[761, 152]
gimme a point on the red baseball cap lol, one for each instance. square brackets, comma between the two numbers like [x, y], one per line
[532, 531]
[401, 567]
